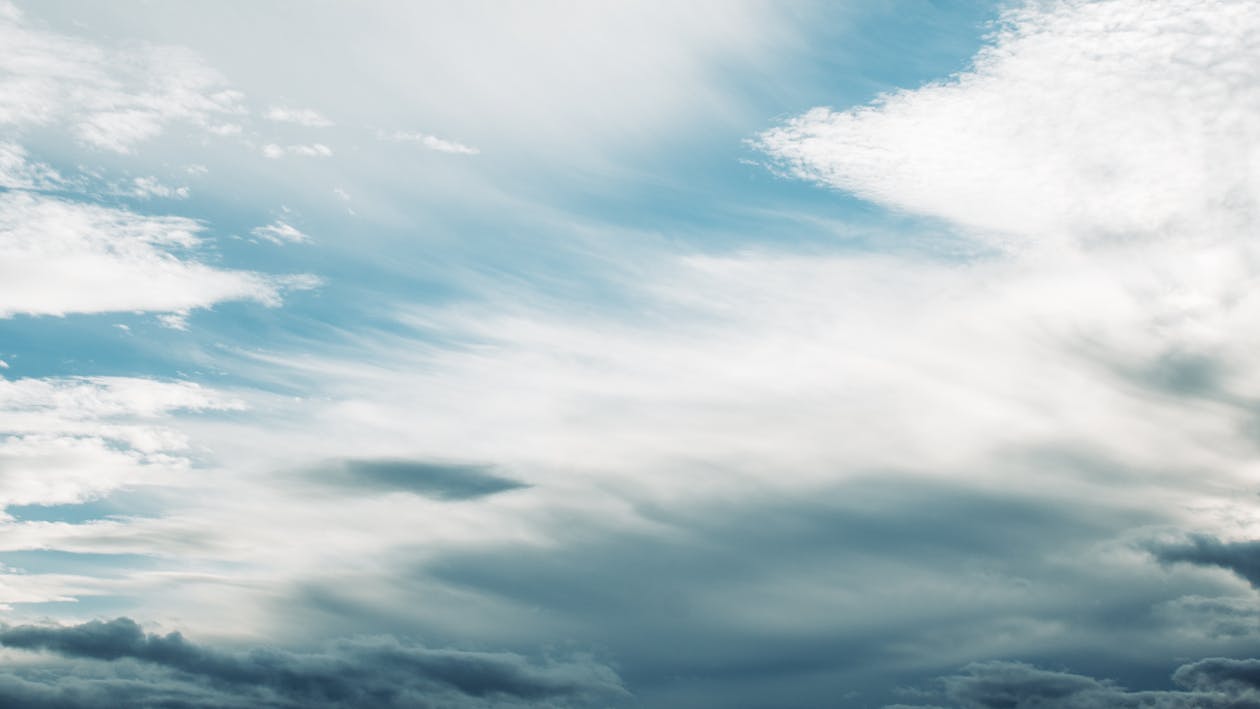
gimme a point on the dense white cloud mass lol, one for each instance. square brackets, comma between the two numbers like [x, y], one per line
[59, 257]
[1082, 121]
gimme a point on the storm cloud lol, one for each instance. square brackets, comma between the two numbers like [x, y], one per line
[169, 670]
[1207, 684]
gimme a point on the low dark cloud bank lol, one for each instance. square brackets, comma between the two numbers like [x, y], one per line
[115, 663]
[1213, 683]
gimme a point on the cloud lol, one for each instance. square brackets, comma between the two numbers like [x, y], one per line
[17, 172]
[369, 672]
[85, 398]
[280, 232]
[59, 257]
[693, 445]
[1232, 676]
[1209, 684]
[149, 187]
[1080, 121]
[314, 150]
[300, 116]
[431, 142]
[1243, 558]
[443, 481]
[110, 98]
[65, 441]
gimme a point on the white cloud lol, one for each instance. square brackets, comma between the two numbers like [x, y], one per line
[148, 187]
[280, 232]
[65, 441]
[300, 116]
[315, 150]
[17, 172]
[1083, 121]
[431, 142]
[83, 398]
[109, 98]
[59, 257]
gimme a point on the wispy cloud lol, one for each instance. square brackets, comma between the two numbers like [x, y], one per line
[280, 232]
[148, 187]
[432, 142]
[314, 150]
[67, 440]
[111, 99]
[299, 116]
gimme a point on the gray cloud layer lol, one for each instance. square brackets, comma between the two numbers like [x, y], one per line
[150, 670]
[1243, 558]
[1207, 684]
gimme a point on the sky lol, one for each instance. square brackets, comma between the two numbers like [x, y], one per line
[879, 354]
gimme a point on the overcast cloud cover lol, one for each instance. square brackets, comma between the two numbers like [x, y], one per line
[629, 354]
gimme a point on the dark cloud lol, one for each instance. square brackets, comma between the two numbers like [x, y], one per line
[377, 672]
[1220, 673]
[1243, 558]
[1208, 684]
[444, 481]
[803, 595]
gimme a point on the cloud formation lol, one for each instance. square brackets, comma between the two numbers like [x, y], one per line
[300, 116]
[59, 257]
[443, 481]
[750, 468]
[1079, 121]
[65, 441]
[432, 142]
[1214, 683]
[1241, 557]
[313, 150]
[110, 99]
[279, 232]
[369, 672]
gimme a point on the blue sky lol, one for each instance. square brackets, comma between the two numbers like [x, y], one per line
[877, 354]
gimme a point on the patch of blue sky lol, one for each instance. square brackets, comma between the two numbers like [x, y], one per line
[129, 503]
